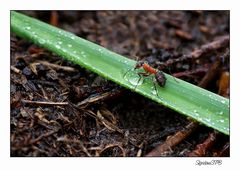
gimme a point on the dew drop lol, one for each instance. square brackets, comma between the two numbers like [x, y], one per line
[221, 113]
[27, 28]
[70, 45]
[208, 120]
[195, 112]
[57, 46]
[41, 41]
[226, 128]
[223, 101]
[59, 42]
[72, 37]
[222, 121]
[83, 54]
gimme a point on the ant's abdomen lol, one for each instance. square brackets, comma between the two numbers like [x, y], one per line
[160, 78]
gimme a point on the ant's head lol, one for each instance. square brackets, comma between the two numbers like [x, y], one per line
[139, 64]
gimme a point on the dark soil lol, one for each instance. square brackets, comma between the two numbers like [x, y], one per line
[45, 89]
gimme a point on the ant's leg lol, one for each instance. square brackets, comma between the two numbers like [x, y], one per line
[130, 69]
[140, 77]
[154, 83]
[126, 72]
[144, 74]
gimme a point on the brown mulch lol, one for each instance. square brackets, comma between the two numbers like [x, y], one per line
[61, 109]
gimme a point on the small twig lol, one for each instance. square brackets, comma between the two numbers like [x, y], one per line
[56, 66]
[191, 72]
[84, 149]
[42, 136]
[110, 126]
[224, 151]
[183, 34]
[39, 150]
[173, 140]
[111, 146]
[224, 84]
[99, 97]
[213, 71]
[215, 45]
[139, 153]
[93, 99]
[16, 70]
[44, 103]
[54, 18]
[203, 147]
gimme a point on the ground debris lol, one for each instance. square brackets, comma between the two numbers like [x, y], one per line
[172, 141]
[203, 147]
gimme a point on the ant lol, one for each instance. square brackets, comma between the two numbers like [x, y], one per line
[159, 75]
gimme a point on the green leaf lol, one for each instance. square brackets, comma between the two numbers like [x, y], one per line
[185, 98]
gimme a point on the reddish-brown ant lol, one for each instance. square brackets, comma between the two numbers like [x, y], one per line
[159, 75]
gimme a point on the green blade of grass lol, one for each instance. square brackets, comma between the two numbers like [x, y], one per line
[185, 98]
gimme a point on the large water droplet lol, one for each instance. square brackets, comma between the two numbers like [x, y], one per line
[136, 81]
[131, 77]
